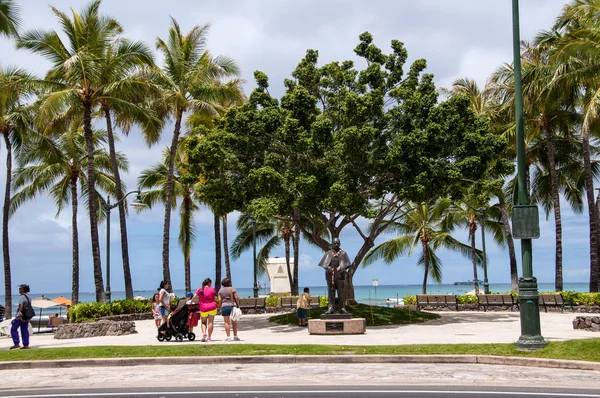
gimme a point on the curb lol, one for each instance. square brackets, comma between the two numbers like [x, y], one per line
[303, 359]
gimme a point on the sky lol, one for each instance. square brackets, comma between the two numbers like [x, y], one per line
[458, 38]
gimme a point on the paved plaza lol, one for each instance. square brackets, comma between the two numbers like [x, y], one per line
[451, 328]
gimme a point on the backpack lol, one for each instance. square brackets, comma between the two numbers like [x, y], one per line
[27, 311]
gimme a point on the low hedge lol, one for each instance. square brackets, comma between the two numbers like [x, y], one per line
[577, 298]
[89, 312]
[275, 301]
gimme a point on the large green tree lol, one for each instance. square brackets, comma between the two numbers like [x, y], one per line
[192, 83]
[341, 140]
[16, 86]
[57, 165]
[78, 83]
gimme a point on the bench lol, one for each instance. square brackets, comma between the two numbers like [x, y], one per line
[554, 300]
[314, 302]
[256, 304]
[496, 300]
[445, 300]
[289, 302]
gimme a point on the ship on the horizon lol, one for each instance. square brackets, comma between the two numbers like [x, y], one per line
[469, 282]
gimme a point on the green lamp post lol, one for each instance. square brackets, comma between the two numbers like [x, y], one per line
[137, 203]
[525, 218]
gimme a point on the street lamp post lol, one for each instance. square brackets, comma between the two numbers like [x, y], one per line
[486, 284]
[531, 337]
[108, 207]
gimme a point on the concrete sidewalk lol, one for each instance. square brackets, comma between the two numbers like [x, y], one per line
[451, 328]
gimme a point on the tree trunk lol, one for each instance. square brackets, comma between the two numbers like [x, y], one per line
[187, 244]
[226, 248]
[286, 243]
[296, 244]
[474, 257]
[426, 263]
[169, 198]
[122, 214]
[5, 216]
[593, 217]
[75, 276]
[92, 202]
[217, 252]
[514, 273]
[558, 276]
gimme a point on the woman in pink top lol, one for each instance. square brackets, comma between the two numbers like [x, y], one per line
[208, 307]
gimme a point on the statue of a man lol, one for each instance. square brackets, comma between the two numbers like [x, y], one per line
[336, 264]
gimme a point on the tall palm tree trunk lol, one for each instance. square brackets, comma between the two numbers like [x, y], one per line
[286, 240]
[187, 262]
[593, 218]
[426, 266]
[226, 248]
[91, 184]
[558, 275]
[5, 216]
[514, 273]
[75, 275]
[122, 215]
[296, 245]
[474, 258]
[217, 221]
[169, 198]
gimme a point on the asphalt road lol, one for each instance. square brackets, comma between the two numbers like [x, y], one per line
[322, 392]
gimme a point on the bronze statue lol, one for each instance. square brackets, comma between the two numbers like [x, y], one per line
[336, 264]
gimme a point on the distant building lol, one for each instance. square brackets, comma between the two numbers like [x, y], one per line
[278, 276]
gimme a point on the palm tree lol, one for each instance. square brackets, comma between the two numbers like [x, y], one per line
[125, 90]
[155, 180]
[191, 80]
[10, 18]
[270, 235]
[15, 87]
[484, 103]
[422, 225]
[574, 48]
[57, 165]
[76, 75]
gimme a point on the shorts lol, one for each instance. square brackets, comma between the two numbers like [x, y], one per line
[163, 311]
[302, 313]
[226, 310]
[205, 314]
[193, 319]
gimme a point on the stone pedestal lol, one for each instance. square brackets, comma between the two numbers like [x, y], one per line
[337, 326]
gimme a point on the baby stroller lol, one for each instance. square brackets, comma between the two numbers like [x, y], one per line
[176, 326]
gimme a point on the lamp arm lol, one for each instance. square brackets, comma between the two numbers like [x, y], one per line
[123, 198]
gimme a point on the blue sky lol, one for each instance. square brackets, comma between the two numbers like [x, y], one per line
[457, 37]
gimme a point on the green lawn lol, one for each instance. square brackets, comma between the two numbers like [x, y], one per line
[375, 316]
[585, 350]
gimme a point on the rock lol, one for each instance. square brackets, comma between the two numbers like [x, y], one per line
[94, 329]
[596, 319]
[595, 327]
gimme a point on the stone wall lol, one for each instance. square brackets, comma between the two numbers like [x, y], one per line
[587, 323]
[94, 329]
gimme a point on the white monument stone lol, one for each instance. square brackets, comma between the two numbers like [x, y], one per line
[278, 276]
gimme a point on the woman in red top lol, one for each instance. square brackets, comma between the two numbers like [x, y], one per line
[208, 307]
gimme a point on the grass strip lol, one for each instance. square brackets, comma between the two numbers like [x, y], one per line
[374, 315]
[584, 350]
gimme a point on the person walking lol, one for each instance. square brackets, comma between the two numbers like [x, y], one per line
[155, 310]
[22, 317]
[164, 297]
[208, 308]
[228, 298]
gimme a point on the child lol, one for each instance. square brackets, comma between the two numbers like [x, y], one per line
[155, 311]
[193, 315]
[302, 307]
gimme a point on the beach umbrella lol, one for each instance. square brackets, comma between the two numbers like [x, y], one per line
[62, 301]
[41, 303]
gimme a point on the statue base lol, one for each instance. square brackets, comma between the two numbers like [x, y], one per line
[336, 316]
[337, 325]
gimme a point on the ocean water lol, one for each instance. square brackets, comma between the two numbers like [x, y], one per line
[363, 294]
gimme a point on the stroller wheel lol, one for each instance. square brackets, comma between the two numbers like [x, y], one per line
[191, 336]
[168, 337]
[178, 337]
[160, 337]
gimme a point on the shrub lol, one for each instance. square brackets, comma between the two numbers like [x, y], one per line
[466, 299]
[273, 301]
[323, 301]
[410, 300]
[86, 312]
